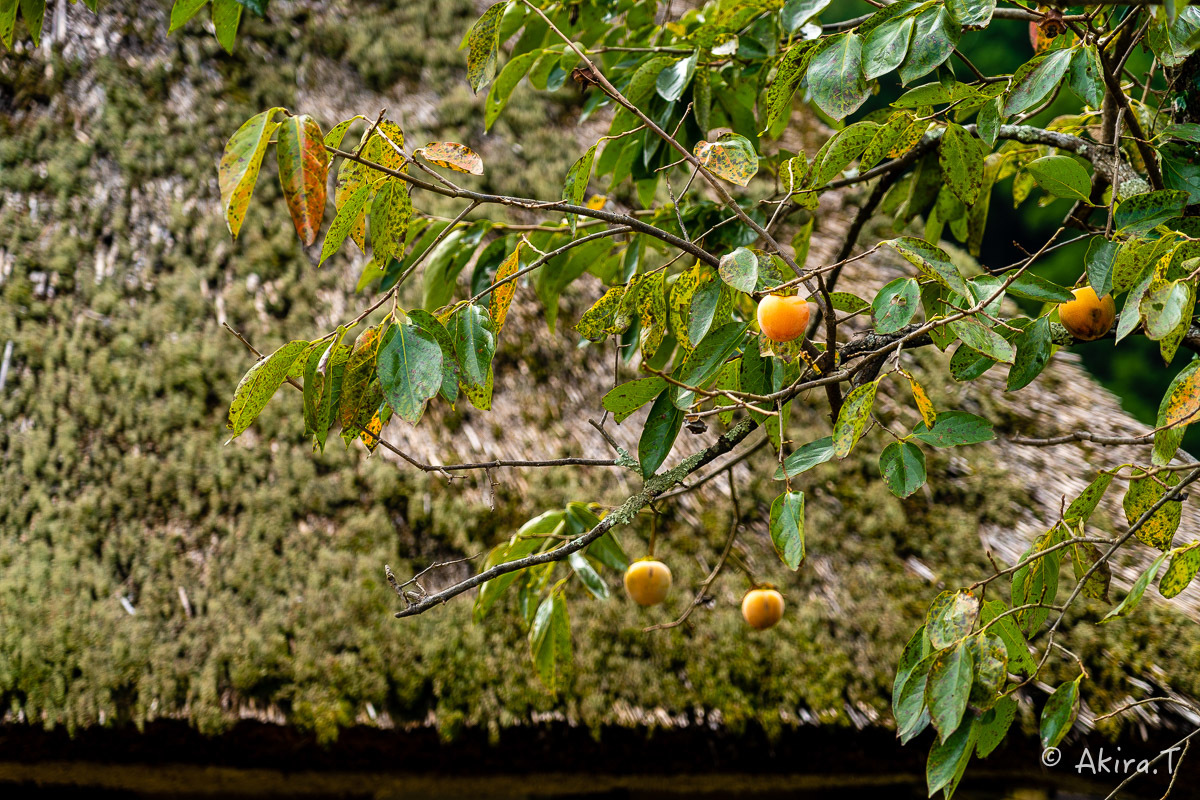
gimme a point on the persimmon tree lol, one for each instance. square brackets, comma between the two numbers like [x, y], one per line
[703, 214]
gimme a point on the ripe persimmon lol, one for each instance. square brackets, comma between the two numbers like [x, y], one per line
[1087, 317]
[647, 581]
[762, 608]
[782, 319]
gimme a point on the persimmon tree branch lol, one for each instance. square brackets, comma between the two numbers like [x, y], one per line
[483, 198]
[621, 515]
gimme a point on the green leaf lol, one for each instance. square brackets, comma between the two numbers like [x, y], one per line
[259, 384]
[323, 386]
[346, 216]
[706, 360]
[787, 528]
[994, 726]
[932, 261]
[483, 42]
[991, 669]
[1162, 308]
[658, 435]
[1183, 567]
[8, 21]
[886, 139]
[848, 303]
[474, 343]
[739, 269]
[1035, 287]
[902, 465]
[912, 713]
[913, 654]
[852, 419]
[1081, 507]
[961, 156]
[181, 12]
[599, 321]
[1177, 410]
[502, 88]
[895, 305]
[1142, 494]
[967, 364]
[1131, 600]
[955, 428]
[935, 35]
[1144, 212]
[303, 170]
[972, 14]
[360, 395]
[787, 79]
[731, 157]
[1058, 715]
[240, 164]
[805, 458]
[950, 617]
[1037, 581]
[797, 12]
[1061, 176]
[627, 398]
[671, 82]
[226, 14]
[391, 213]
[948, 758]
[948, 688]
[981, 338]
[410, 371]
[523, 544]
[450, 368]
[1033, 353]
[706, 302]
[841, 149]
[588, 576]
[575, 186]
[550, 636]
[1101, 256]
[885, 47]
[1035, 81]
[1019, 659]
[1085, 77]
[835, 76]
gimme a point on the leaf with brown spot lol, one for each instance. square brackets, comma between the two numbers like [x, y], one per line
[1143, 493]
[391, 141]
[924, 404]
[357, 400]
[303, 169]
[502, 294]
[240, 164]
[390, 214]
[731, 157]
[453, 155]
[483, 42]
[852, 419]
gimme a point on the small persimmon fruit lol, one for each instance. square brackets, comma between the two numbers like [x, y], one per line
[782, 319]
[762, 608]
[647, 581]
[1087, 317]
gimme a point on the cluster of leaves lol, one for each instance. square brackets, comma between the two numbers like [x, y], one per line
[541, 600]
[961, 669]
[713, 86]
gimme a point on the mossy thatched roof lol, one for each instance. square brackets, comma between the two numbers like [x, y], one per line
[149, 572]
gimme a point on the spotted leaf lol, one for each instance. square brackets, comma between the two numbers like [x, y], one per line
[240, 164]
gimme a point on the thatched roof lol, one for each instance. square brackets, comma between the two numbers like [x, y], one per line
[150, 574]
